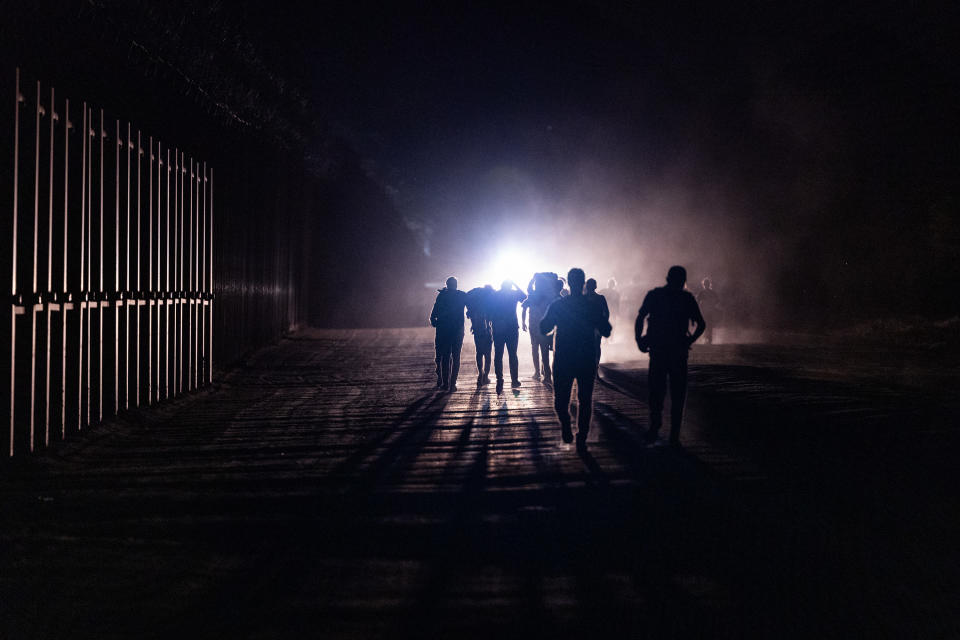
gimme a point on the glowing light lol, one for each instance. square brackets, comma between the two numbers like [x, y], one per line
[511, 264]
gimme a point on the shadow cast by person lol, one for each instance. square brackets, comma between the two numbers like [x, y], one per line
[595, 473]
[398, 445]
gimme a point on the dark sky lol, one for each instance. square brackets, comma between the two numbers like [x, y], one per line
[808, 139]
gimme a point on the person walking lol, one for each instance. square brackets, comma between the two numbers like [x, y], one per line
[447, 318]
[542, 292]
[478, 310]
[576, 319]
[668, 312]
[710, 305]
[506, 330]
[590, 290]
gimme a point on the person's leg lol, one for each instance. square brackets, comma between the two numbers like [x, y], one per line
[535, 352]
[678, 395]
[545, 356]
[562, 386]
[585, 380]
[438, 347]
[513, 341]
[456, 346]
[488, 356]
[657, 383]
[479, 348]
[445, 349]
[498, 344]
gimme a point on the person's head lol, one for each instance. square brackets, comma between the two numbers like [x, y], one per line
[706, 283]
[591, 285]
[488, 287]
[558, 285]
[505, 285]
[575, 278]
[452, 283]
[676, 277]
[612, 283]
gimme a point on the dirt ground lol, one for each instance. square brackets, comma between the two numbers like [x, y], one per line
[324, 489]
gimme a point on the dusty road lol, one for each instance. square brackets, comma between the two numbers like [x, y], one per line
[323, 489]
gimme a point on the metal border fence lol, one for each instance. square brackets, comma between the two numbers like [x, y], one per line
[111, 257]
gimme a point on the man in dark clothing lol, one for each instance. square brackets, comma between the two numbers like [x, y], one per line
[478, 303]
[506, 330]
[590, 290]
[447, 317]
[577, 318]
[670, 310]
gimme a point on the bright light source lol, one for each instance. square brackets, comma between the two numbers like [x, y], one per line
[512, 264]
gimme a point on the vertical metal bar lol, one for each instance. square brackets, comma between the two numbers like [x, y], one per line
[190, 305]
[17, 99]
[46, 394]
[210, 283]
[166, 384]
[166, 262]
[137, 301]
[84, 194]
[180, 266]
[68, 126]
[36, 186]
[151, 302]
[53, 119]
[100, 289]
[89, 279]
[203, 279]
[116, 275]
[31, 303]
[125, 301]
[176, 267]
[197, 298]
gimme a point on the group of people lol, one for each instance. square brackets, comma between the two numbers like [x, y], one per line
[569, 318]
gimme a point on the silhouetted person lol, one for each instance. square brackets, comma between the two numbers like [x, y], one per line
[709, 303]
[542, 292]
[577, 319]
[447, 317]
[506, 330]
[590, 290]
[671, 309]
[613, 296]
[478, 304]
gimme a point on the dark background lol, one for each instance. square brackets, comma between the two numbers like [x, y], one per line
[804, 157]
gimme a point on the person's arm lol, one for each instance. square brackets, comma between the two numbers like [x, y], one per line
[638, 327]
[602, 318]
[604, 327]
[521, 296]
[697, 318]
[523, 316]
[433, 314]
